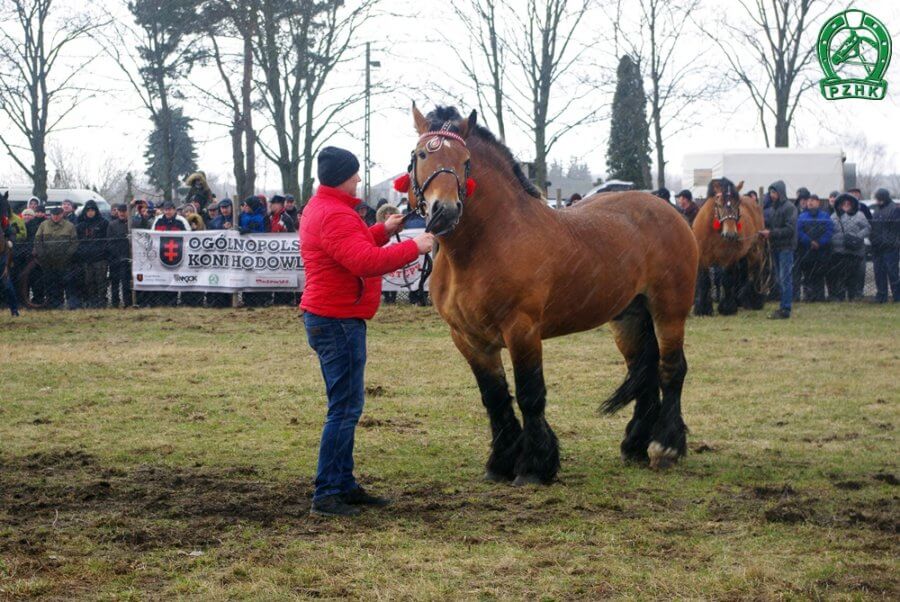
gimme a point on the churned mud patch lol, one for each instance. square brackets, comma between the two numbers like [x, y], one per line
[50, 501]
[400, 425]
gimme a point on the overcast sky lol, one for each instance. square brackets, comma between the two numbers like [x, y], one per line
[417, 58]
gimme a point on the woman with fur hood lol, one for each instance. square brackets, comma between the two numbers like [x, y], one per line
[848, 259]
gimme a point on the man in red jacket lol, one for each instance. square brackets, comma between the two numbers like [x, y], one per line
[344, 262]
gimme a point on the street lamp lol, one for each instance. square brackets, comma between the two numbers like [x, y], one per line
[367, 138]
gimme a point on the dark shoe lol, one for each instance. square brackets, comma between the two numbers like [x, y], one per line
[360, 497]
[333, 505]
[780, 314]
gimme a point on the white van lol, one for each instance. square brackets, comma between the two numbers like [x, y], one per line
[19, 195]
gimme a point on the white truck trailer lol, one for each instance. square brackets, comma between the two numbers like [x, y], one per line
[821, 170]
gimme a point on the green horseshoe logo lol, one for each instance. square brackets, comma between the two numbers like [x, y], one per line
[854, 39]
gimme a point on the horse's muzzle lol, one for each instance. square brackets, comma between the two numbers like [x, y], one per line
[731, 236]
[444, 217]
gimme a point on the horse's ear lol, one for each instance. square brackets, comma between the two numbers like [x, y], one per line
[716, 186]
[739, 186]
[419, 120]
[469, 125]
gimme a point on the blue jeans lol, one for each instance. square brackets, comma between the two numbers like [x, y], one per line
[341, 347]
[10, 292]
[887, 272]
[784, 264]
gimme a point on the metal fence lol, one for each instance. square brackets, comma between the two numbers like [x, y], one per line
[72, 281]
[107, 283]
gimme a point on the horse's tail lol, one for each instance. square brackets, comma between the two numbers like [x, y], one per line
[644, 370]
[763, 278]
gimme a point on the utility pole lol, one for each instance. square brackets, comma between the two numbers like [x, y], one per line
[367, 137]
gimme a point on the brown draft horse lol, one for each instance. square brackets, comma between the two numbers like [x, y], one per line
[511, 272]
[727, 231]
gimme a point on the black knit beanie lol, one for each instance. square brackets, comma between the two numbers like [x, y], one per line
[336, 166]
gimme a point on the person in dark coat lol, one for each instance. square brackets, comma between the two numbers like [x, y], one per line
[253, 216]
[885, 240]
[68, 208]
[169, 221]
[93, 254]
[848, 251]
[290, 207]
[279, 220]
[119, 253]
[814, 231]
[55, 245]
[863, 208]
[224, 220]
[781, 230]
[664, 194]
[686, 205]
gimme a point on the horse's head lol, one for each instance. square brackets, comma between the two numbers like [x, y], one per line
[439, 168]
[727, 207]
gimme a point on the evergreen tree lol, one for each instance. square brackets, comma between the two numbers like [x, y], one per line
[628, 155]
[183, 157]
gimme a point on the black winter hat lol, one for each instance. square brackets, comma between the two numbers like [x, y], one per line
[663, 193]
[686, 194]
[802, 193]
[168, 205]
[882, 195]
[277, 199]
[336, 166]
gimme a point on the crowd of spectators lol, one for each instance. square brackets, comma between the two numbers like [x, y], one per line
[62, 258]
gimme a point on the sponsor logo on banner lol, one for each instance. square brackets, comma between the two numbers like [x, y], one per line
[213, 279]
[139, 277]
[190, 279]
[272, 281]
[171, 251]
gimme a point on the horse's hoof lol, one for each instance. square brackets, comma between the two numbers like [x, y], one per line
[661, 457]
[494, 477]
[527, 479]
[635, 458]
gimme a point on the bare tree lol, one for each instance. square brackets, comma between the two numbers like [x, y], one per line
[154, 55]
[871, 161]
[297, 47]
[671, 96]
[238, 19]
[38, 88]
[772, 36]
[487, 50]
[545, 53]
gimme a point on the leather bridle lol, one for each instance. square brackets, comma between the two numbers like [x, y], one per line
[433, 142]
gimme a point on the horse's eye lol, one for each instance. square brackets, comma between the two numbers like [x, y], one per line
[422, 155]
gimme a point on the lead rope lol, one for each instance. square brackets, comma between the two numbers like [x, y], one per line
[427, 266]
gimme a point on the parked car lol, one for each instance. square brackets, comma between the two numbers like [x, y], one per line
[610, 186]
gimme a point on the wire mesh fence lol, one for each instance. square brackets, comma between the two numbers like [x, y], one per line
[64, 274]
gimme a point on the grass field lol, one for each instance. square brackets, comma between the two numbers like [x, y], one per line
[150, 454]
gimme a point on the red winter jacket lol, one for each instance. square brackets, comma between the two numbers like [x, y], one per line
[343, 258]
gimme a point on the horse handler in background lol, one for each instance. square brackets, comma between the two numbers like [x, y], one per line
[344, 261]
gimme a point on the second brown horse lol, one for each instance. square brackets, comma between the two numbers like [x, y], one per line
[727, 231]
[511, 272]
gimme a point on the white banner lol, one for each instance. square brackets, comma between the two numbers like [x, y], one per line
[407, 277]
[216, 261]
[226, 261]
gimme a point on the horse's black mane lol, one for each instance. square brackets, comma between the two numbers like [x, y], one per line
[728, 188]
[441, 115]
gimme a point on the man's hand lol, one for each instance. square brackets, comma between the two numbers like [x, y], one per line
[764, 233]
[814, 245]
[425, 242]
[393, 224]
